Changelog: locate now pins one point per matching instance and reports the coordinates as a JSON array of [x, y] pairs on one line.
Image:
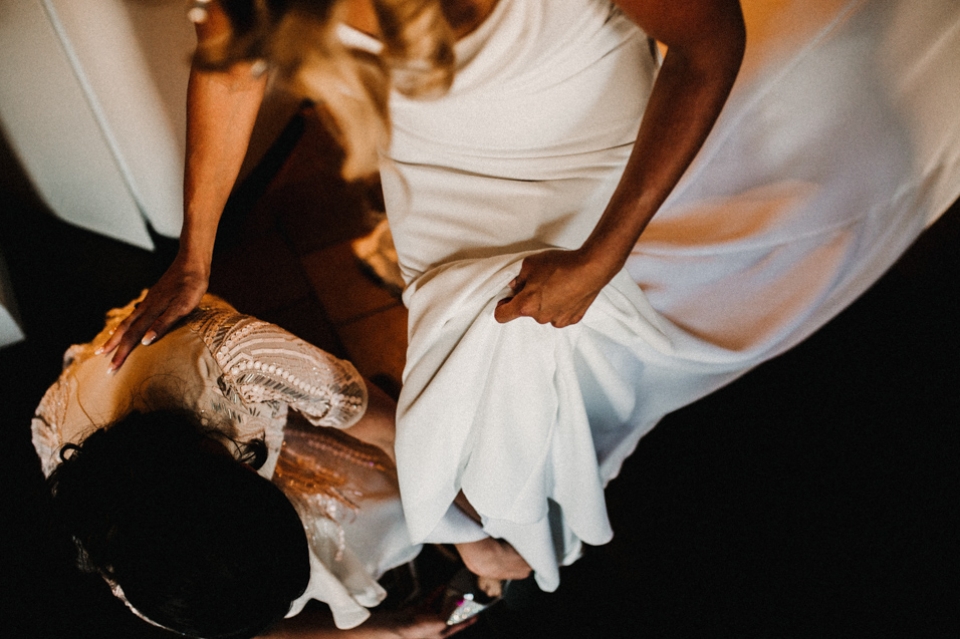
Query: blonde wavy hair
[[299, 39]]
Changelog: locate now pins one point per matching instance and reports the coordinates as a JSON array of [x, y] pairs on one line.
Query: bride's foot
[[493, 559], [490, 587]]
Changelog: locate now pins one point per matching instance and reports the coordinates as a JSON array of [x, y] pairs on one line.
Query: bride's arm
[[221, 109], [705, 40]]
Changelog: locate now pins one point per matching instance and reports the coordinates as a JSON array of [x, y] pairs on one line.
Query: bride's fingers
[[525, 303], [143, 326], [505, 310], [118, 333], [174, 313], [148, 328], [128, 339], [120, 356]]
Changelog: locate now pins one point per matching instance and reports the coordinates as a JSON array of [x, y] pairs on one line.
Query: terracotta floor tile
[[316, 152], [315, 207], [377, 344], [271, 147], [318, 214], [344, 290], [258, 275]]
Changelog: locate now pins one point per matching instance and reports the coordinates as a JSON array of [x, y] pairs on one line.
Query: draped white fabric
[[839, 144]]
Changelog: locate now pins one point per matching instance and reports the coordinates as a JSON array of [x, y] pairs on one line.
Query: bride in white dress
[[526, 194]]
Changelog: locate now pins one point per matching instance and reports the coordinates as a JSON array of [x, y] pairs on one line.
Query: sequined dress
[[242, 376]]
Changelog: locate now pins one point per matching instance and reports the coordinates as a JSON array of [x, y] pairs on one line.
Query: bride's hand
[[493, 559], [555, 287], [177, 293]]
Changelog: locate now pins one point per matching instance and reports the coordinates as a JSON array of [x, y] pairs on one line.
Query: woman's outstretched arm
[[705, 42], [222, 107]]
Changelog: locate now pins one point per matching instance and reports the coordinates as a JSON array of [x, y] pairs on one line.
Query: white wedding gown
[[839, 144], [240, 376]]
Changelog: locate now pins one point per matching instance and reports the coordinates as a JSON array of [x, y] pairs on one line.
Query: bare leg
[[491, 558], [378, 426]]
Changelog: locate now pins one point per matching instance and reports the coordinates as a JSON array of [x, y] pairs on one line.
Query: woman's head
[[299, 39], [198, 542]]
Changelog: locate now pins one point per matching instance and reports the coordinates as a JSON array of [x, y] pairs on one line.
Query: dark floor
[[817, 496]]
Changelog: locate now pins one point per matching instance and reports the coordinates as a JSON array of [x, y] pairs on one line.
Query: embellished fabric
[[329, 488], [239, 376], [264, 364], [347, 495]]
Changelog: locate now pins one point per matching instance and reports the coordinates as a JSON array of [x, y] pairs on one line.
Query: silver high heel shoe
[[464, 598]]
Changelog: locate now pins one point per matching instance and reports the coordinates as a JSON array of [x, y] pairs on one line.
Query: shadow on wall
[[98, 122]]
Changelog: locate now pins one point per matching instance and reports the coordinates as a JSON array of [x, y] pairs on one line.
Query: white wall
[[10, 331], [92, 105], [91, 102]]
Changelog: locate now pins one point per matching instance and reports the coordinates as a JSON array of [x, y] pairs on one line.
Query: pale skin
[[705, 40]]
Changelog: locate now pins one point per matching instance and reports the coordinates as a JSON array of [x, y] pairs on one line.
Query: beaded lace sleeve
[[264, 364]]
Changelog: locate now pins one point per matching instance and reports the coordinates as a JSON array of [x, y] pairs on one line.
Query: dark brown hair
[[199, 543]]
